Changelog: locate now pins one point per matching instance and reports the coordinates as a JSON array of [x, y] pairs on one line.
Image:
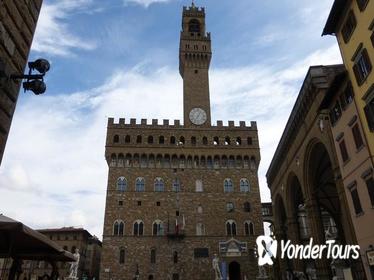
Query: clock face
[[198, 116]]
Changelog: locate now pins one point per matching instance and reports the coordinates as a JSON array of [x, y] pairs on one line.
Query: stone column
[[293, 235], [317, 233]]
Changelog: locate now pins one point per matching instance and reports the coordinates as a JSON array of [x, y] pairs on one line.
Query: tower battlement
[[155, 123], [194, 11]]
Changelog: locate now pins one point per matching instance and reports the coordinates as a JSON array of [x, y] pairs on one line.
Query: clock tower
[[194, 59]]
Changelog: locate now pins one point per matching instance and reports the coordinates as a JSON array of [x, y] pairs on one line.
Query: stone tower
[[179, 194], [194, 60]]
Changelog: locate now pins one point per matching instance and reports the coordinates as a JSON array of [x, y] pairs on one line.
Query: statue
[[74, 266], [262, 272], [216, 267], [311, 273]]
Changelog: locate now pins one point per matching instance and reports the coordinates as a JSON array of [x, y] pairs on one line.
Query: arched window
[[150, 139], [209, 162], [151, 161], [181, 141], [138, 228], [252, 163], [175, 257], [247, 207], [121, 184], [140, 185], [139, 139], [205, 141], [158, 228], [228, 186], [122, 256], [199, 186], [143, 161], [215, 140], [249, 228], [231, 227], [113, 160], [193, 140], [216, 162], [231, 162], [153, 259], [116, 139], [127, 139], [238, 141], [172, 140], [246, 162], [224, 161], [200, 229], [161, 140], [118, 228], [121, 160], [244, 185], [194, 26], [227, 140], [176, 185], [159, 185]]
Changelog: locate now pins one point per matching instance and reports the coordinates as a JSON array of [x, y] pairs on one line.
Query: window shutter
[[365, 55], [369, 113], [357, 74]]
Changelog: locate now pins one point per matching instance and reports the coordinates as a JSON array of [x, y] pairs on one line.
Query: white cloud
[[54, 172], [144, 3], [52, 35]]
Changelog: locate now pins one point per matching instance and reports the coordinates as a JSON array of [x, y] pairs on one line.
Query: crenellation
[[132, 121], [242, 123], [110, 121], [231, 123], [122, 121], [177, 123], [166, 122], [143, 121], [219, 123], [154, 122]]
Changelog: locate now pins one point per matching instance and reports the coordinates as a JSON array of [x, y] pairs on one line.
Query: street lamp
[[34, 82]]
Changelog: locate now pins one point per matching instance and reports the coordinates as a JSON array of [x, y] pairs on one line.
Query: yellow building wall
[[361, 34]]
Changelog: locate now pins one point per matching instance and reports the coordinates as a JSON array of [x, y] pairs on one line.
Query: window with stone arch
[[194, 25], [140, 184], [158, 228], [244, 185], [122, 256], [249, 228], [138, 228], [231, 228], [200, 229], [228, 186], [121, 184], [118, 228], [176, 185], [159, 185], [199, 186]]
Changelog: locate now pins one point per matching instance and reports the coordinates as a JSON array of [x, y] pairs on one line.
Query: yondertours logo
[[267, 249]]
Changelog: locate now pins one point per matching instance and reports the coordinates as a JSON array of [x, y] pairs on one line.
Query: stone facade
[[179, 194], [17, 26]]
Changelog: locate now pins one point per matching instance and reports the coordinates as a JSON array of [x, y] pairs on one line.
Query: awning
[[18, 241]]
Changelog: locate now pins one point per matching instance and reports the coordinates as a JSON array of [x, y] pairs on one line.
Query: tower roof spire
[[193, 3]]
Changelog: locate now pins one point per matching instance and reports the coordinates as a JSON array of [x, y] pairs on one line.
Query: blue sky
[[119, 58]]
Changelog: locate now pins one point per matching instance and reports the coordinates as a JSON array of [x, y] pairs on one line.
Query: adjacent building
[[180, 195], [17, 26], [306, 183], [70, 239], [351, 106]]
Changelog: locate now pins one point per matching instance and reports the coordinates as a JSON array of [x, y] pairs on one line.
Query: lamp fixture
[[34, 82]]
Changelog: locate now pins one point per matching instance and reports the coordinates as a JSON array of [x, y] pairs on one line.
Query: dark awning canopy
[[18, 241]]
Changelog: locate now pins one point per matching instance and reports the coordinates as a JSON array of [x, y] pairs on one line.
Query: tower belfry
[[195, 53]]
